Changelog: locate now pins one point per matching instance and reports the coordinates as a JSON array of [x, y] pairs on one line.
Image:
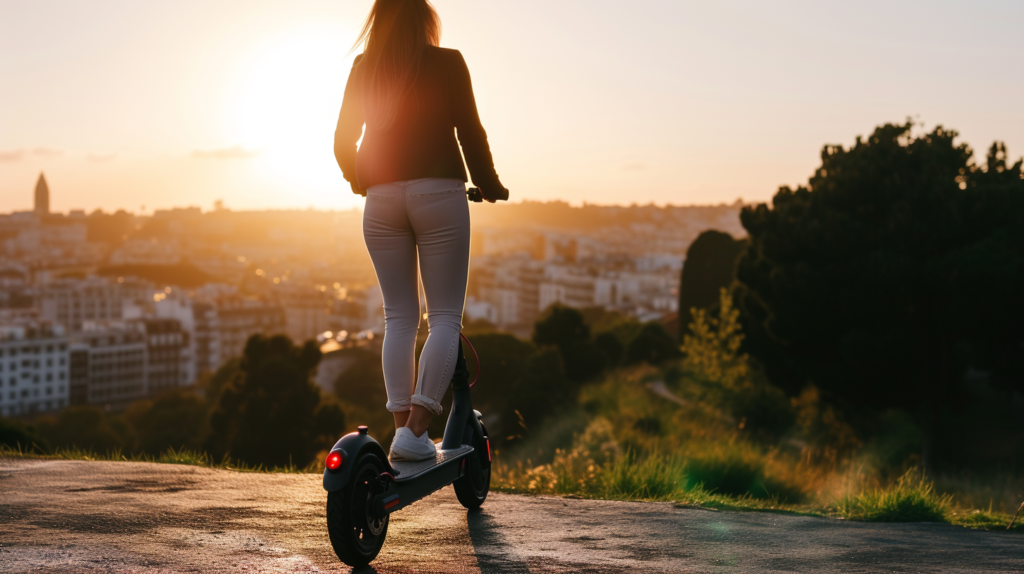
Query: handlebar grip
[[477, 195]]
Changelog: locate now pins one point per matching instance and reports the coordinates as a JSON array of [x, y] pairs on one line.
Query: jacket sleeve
[[350, 129], [468, 128]]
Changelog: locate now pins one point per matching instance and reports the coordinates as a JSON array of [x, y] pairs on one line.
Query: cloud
[[12, 155], [100, 157], [634, 166], [47, 152], [236, 152]]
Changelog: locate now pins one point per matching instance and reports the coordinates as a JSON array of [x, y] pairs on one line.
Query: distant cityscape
[[108, 308]]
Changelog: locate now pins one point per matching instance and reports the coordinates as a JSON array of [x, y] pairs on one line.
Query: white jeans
[[430, 215]]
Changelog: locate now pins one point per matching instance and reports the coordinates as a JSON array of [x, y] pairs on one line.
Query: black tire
[[355, 535], [471, 489]]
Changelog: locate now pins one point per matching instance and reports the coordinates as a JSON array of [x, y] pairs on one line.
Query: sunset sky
[[135, 103]]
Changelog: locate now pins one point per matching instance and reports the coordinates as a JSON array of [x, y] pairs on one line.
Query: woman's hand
[[492, 195], [478, 195]]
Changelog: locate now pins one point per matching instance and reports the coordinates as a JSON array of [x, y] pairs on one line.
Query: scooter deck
[[409, 470]]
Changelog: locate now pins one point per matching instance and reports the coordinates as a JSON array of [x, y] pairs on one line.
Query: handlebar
[[477, 195]]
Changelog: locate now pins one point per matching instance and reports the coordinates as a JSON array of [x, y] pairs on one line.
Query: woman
[[413, 96]]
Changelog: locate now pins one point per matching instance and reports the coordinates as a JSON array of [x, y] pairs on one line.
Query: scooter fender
[[351, 446]]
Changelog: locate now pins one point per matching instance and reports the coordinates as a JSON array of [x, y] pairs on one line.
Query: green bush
[[726, 472], [177, 419], [21, 437], [911, 499], [650, 478], [653, 344], [86, 427]]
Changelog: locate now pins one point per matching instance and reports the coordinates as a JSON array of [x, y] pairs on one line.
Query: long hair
[[394, 36]]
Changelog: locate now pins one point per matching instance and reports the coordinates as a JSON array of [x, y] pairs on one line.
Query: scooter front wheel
[[471, 489], [356, 535]]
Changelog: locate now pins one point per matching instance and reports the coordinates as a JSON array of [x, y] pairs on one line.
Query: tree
[[564, 328], [710, 265], [212, 385], [611, 348], [175, 419], [712, 346], [653, 344], [519, 385], [900, 264], [362, 383], [724, 375], [86, 427], [20, 436], [271, 413]]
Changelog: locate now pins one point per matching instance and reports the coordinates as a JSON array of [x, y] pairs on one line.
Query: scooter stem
[[462, 405]]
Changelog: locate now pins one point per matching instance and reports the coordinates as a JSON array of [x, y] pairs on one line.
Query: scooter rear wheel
[[356, 535], [471, 489]]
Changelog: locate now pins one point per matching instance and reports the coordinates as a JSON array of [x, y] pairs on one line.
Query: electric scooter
[[364, 487]]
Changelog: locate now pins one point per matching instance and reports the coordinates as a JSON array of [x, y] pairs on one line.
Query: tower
[[42, 196]]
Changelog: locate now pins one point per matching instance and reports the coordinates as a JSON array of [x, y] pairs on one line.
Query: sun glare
[[283, 105]]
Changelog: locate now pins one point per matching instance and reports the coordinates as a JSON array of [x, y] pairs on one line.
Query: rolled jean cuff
[[399, 406], [429, 404]]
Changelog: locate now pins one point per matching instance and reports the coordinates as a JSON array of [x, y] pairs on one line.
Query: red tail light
[[333, 461]]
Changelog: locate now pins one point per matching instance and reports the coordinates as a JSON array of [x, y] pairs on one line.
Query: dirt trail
[[69, 516]]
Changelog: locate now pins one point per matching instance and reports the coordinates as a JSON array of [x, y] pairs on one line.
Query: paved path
[[70, 516]]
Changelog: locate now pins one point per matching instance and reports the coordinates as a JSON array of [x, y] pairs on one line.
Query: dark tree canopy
[[271, 413], [565, 328], [710, 265], [898, 266], [653, 344], [21, 436], [611, 348], [519, 383], [561, 326], [87, 428], [176, 419]]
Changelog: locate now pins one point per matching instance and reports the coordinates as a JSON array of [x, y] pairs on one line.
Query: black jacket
[[421, 141]]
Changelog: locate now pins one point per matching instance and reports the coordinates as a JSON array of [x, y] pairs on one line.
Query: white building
[[481, 310], [34, 372], [360, 310], [73, 302]]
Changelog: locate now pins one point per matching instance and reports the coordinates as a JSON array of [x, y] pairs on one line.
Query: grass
[[170, 456], [911, 498], [632, 446]]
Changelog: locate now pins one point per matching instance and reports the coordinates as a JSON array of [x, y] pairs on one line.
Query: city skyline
[[663, 102]]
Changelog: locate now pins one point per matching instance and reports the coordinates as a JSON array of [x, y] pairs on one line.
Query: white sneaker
[[409, 447]]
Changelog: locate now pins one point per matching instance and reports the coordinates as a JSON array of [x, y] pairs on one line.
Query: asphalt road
[[69, 516]]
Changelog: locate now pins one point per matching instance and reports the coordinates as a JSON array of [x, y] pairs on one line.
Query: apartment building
[[168, 355], [73, 302], [306, 309], [33, 369], [513, 291], [241, 317], [360, 310], [109, 364]]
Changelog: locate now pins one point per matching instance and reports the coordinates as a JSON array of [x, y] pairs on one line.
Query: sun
[[283, 104]]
